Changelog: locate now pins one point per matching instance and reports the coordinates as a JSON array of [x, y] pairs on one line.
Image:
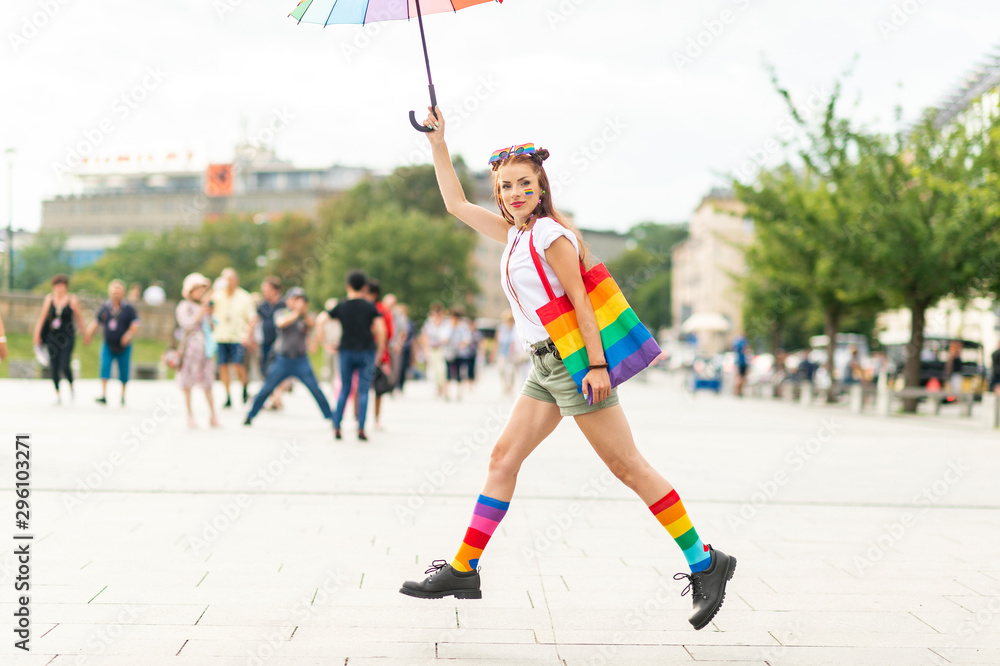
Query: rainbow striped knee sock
[[670, 511], [485, 518]]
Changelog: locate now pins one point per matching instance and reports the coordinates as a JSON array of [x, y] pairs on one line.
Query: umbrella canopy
[[326, 12], [709, 322]]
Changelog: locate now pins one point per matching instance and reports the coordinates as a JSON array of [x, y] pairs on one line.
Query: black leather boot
[[444, 582], [708, 587]]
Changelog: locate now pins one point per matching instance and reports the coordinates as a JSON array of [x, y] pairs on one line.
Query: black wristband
[[597, 366]]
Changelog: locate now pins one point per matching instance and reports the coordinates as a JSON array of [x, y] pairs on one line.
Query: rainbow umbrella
[[328, 12]]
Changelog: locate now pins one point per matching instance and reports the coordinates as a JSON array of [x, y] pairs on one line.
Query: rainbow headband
[[505, 153]]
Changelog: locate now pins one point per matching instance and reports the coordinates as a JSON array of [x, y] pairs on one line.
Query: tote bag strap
[[538, 265]]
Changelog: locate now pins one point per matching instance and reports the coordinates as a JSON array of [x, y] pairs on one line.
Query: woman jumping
[[521, 188]]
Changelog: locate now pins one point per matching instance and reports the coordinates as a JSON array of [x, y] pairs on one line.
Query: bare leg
[[608, 432], [190, 413], [213, 420], [531, 421], [224, 377]]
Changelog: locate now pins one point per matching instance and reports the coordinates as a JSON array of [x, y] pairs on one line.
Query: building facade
[[112, 199], [707, 265]]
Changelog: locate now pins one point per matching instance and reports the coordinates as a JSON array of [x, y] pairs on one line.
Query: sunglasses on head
[[506, 153]]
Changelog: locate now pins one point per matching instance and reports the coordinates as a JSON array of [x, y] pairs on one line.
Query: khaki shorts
[[550, 381]]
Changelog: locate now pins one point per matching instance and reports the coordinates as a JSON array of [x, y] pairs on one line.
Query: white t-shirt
[[524, 276]]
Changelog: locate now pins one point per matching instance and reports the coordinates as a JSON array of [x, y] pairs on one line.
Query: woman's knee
[[627, 469], [504, 459]]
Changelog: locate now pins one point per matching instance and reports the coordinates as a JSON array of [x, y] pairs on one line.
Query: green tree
[[799, 251], [35, 265], [932, 220], [399, 232], [644, 271], [420, 258], [802, 214], [169, 256]]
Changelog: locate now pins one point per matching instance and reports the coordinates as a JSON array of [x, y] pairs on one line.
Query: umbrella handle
[[413, 116]]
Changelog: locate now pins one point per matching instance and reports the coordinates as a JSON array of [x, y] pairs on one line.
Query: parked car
[[933, 359]]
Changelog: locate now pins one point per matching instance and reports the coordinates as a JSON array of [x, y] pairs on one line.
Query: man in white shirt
[[233, 310]]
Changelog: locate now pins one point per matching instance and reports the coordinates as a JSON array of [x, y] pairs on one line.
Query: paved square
[[860, 539]]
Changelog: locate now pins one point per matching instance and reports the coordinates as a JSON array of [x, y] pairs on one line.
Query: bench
[[935, 398]]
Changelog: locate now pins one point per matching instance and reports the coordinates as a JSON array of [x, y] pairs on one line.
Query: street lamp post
[[10, 218]]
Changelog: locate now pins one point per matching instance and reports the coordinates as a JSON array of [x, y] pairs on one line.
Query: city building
[[977, 97], [131, 193], [706, 267], [140, 193]]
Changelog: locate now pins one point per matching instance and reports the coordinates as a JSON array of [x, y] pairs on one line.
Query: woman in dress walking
[[194, 318], [528, 216]]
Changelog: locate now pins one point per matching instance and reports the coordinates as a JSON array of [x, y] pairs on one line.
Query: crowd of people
[[224, 333], [222, 330], [228, 335]]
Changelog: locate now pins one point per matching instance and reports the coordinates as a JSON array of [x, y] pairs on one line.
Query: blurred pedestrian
[[995, 365], [382, 380], [807, 367], [506, 338], [197, 344], [405, 335], [120, 322], [434, 337], [327, 336], [233, 309], [291, 359], [464, 347], [953, 366], [134, 293], [271, 302], [363, 340], [742, 349], [3, 342], [853, 373], [58, 321]]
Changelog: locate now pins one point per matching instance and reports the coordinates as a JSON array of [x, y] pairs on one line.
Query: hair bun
[[542, 153]]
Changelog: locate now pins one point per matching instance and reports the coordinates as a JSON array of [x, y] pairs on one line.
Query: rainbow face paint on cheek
[[528, 192]]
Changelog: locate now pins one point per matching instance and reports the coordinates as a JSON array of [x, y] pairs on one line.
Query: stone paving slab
[[861, 540]]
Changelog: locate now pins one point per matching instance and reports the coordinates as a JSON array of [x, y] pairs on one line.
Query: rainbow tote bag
[[629, 348]]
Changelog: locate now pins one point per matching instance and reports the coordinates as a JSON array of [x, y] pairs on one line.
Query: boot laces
[[436, 566], [694, 585]]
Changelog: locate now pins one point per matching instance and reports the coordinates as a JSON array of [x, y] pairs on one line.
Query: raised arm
[[485, 222]]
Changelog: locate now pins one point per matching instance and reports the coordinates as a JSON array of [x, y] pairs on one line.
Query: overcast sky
[[639, 122]]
